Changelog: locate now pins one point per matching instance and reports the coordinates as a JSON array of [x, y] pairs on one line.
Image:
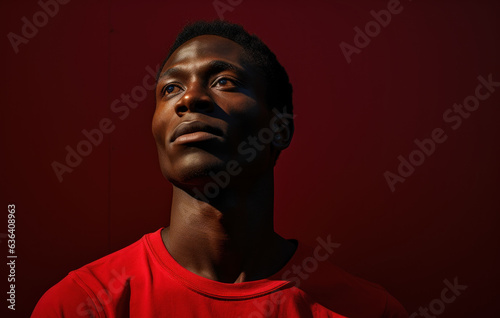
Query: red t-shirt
[[143, 280]]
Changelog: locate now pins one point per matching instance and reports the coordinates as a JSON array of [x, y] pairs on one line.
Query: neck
[[230, 239]]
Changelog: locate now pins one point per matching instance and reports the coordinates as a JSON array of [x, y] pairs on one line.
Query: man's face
[[209, 101]]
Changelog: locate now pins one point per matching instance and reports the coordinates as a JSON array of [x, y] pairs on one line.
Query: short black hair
[[279, 90]]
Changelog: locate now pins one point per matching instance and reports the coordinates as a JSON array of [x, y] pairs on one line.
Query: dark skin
[[209, 85]]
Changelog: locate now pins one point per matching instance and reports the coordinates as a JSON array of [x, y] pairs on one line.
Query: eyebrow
[[213, 67]]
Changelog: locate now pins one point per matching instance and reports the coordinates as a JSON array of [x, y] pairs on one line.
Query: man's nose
[[195, 99]]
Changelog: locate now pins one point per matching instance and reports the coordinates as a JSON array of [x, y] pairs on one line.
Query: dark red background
[[353, 121]]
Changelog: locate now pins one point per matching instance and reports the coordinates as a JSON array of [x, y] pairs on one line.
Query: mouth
[[194, 131]]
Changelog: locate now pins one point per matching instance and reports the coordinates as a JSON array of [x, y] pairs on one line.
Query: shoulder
[[86, 291], [338, 290], [67, 298], [358, 297]]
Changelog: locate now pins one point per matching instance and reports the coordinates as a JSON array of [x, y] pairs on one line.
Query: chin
[[193, 170]]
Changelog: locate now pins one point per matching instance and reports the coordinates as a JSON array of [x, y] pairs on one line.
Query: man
[[223, 115]]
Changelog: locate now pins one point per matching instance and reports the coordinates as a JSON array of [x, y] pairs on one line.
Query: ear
[[282, 136], [281, 140], [282, 127]]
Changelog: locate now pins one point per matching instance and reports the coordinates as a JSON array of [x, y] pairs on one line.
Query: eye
[[225, 82], [169, 89], [222, 81]]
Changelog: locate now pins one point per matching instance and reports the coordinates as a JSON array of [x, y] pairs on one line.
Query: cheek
[[159, 127], [244, 113], [249, 124]]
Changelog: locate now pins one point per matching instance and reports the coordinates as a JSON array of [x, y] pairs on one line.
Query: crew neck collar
[[215, 289]]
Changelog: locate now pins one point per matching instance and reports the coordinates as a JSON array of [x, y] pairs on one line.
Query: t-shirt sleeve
[[394, 309], [65, 299]]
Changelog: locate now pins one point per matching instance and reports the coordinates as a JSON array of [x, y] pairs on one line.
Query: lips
[[204, 131]]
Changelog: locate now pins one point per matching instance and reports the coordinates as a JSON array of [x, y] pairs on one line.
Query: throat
[[231, 262]]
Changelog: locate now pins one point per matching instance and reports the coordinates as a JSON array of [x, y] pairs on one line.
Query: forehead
[[207, 47]]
